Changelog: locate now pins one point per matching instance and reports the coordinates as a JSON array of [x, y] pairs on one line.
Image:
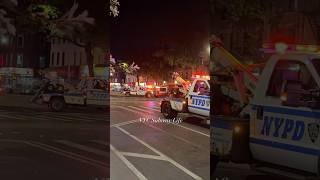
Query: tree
[[114, 8], [6, 26], [252, 18]]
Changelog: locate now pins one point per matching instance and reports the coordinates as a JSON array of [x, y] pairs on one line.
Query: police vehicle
[[192, 98], [278, 125], [90, 92]]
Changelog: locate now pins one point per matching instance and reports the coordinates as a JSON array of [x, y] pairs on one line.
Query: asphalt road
[[142, 147], [41, 145]]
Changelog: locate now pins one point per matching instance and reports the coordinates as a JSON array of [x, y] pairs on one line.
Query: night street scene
[[54, 100], [265, 100], [159, 58]]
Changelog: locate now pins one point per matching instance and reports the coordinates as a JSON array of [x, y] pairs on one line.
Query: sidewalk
[[20, 101]]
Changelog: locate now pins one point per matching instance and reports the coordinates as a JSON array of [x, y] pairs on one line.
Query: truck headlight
[[237, 129]]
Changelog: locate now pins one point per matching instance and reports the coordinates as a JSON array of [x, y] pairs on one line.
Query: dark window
[[201, 86], [74, 58], [20, 41], [289, 71], [63, 56], [58, 59], [52, 59]]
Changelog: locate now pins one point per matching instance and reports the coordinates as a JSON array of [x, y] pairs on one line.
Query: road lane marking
[[199, 132], [149, 108], [146, 156], [193, 130], [177, 137], [61, 152], [125, 123], [11, 117], [100, 142], [140, 109], [128, 163], [84, 148], [185, 170], [121, 107]]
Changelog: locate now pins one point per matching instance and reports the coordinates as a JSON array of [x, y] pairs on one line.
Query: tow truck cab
[[196, 101], [283, 125]]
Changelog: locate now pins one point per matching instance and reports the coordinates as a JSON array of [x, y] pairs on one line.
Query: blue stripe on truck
[[288, 147], [196, 107], [204, 97], [294, 112]]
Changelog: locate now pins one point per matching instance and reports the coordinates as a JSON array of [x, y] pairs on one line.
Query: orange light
[[197, 76], [149, 86]]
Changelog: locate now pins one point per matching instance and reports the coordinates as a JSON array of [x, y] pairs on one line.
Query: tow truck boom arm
[[243, 78]]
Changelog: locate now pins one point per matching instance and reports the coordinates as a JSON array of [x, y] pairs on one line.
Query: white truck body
[[195, 102], [281, 134]]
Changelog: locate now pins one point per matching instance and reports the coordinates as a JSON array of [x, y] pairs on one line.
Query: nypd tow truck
[[86, 94], [277, 126], [192, 99]]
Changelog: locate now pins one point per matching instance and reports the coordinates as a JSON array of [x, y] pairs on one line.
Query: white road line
[[208, 135], [140, 109], [61, 152], [100, 142], [146, 156], [149, 108], [125, 123], [199, 132], [128, 164], [11, 117], [127, 109], [82, 147], [163, 155], [177, 137]]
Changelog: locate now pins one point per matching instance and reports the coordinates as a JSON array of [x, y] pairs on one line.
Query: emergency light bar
[[281, 47]]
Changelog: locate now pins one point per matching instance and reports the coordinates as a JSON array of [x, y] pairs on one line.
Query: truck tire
[[167, 111], [57, 104], [214, 160]]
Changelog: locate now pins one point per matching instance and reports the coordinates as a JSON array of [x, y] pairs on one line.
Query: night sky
[[144, 26]]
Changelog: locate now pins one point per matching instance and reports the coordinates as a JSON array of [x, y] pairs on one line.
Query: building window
[[53, 41], [63, 56], [7, 60], [58, 59], [52, 59], [74, 58], [11, 60], [20, 60], [42, 62], [20, 41]]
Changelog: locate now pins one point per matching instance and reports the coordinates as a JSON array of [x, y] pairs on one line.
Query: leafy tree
[[6, 26]]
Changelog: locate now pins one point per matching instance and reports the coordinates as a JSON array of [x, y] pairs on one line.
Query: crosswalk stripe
[[82, 147]]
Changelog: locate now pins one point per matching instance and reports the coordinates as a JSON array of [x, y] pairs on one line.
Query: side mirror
[[291, 93]]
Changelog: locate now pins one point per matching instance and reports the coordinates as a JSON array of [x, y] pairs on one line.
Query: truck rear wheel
[[167, 111], [57, 104], [213, 164]]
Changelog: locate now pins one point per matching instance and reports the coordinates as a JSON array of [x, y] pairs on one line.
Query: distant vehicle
[[142, 91], [89, 92]]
